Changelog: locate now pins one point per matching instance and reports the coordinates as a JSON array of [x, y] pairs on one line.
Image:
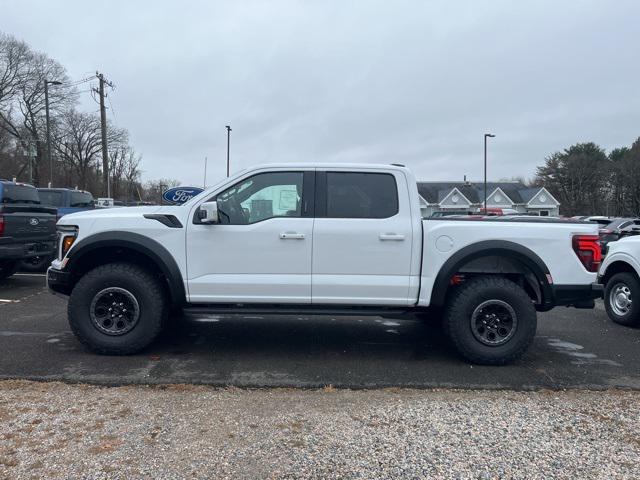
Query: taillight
[[1, 225], [587, 248]]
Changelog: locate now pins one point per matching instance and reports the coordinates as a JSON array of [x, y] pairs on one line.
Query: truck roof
[[391, 166], [60, 189]]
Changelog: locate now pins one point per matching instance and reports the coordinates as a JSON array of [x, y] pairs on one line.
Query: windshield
[[12, 193], [50, 197]]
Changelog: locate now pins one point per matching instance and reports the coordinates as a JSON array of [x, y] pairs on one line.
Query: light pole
[[46, 107], [228, 140], [486, 135]]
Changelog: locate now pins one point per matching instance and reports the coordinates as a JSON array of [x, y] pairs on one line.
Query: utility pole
[[228, 140], [106, 188], [486, 135], [46, 104]]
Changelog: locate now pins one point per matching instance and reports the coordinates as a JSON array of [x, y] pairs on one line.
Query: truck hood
[[116, 212], [113, 213]]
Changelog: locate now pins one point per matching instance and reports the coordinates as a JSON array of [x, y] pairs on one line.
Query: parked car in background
[[614, 230], [599, 219], [620, 274], [630, 230], [66, 200], [27, 228], [496, 212], [104, 202], [450, 213]]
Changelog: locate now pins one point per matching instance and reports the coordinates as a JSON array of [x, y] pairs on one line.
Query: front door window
[[260, 197]]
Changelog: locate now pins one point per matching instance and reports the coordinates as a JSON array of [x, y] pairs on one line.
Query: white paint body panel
[[250, 263], [550, 241], [366, 261], [626, 250], [340, 261]]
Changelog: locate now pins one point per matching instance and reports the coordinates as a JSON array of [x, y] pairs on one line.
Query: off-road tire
[[632, 317], [459, 309], [147, 291], [8, 268]]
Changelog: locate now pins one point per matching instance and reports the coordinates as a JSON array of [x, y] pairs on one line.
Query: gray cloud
[[411, 82]]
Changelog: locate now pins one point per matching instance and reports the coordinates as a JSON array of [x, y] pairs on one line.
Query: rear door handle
[[391, 236], [291, 236]]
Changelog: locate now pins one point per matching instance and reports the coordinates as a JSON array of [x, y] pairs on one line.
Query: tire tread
[[140, 276], [456, 304]]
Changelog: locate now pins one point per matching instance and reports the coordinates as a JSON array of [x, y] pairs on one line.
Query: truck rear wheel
[[490, 320], [36, 264], [117, 309], [619, 294]]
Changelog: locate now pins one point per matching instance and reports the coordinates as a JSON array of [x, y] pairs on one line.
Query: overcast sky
[[410, 82]]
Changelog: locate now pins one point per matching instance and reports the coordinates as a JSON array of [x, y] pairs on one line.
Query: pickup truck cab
[[66, 200], [335, 238], [27, 229]]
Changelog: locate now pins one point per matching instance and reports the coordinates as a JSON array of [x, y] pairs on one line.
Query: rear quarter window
[[81, 200]]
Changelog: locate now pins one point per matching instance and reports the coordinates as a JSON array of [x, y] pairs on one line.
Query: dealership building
[[469, 196]]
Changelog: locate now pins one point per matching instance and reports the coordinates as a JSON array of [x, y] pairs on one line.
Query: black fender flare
[[138, 243], [504, 248]]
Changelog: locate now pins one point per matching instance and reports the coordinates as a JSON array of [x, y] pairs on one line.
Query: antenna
[[204, 183]]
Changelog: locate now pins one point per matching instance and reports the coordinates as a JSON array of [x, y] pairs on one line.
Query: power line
[[111, 108], [75, 83]]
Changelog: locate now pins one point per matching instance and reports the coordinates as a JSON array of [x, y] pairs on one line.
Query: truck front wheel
[[618, 299], [490, 320], [117, 309]]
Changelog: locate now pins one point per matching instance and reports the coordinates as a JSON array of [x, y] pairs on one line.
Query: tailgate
[[28, 223]]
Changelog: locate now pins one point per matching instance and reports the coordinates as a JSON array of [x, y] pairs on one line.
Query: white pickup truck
[[327, 239]]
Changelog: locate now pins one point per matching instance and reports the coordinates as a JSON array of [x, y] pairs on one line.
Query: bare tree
[[22, 107], [153, 189], [124, 168], [14, 56]]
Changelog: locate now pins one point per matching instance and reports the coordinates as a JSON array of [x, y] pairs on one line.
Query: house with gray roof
[[469, 196]]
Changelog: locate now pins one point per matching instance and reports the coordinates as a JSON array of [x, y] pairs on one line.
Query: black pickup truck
[[27, 229]]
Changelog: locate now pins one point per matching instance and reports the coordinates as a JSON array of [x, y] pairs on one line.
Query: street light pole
[[228, 140], [46, 104], [486, 135]]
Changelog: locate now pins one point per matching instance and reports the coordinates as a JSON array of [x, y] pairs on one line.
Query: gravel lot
[[54, 430]]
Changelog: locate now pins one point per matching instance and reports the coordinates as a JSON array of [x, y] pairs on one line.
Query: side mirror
[[208, 212]]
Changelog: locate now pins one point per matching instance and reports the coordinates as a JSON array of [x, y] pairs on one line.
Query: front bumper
[[58, 281], [579, 296]]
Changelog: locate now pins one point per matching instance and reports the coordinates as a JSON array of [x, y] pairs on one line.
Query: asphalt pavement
[[573, 349]]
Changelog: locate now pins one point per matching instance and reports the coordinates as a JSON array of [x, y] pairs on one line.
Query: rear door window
[[361, 195]]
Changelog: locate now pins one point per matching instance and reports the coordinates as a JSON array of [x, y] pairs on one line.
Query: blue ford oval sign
[[180, 195]]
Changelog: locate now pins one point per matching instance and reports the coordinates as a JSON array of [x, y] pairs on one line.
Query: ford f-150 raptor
[[339, 239]]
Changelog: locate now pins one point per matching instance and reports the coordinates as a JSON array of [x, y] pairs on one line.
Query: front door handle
[[391, 236], [291, 236]]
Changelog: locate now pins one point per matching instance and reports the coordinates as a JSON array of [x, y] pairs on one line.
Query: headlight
[[67, 235]]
